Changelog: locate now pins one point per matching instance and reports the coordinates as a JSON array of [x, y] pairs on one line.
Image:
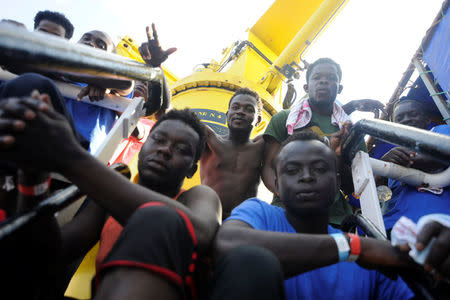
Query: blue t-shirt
[[92, 122], [408, 201], [339, 281]]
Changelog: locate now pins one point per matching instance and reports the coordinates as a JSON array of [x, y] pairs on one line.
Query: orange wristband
[[355, 247], [35, 190]]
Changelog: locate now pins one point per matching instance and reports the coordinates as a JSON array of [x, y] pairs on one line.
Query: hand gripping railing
[[364, 168], [419, 140]]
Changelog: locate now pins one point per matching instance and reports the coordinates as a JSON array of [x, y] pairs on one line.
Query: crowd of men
[[159, 241]]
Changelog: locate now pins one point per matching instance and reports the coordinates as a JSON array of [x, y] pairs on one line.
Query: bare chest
[[238, 159]]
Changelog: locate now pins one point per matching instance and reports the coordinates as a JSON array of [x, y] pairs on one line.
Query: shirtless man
[[231, 164]]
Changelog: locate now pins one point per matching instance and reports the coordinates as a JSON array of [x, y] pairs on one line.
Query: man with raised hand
[[231, 164]]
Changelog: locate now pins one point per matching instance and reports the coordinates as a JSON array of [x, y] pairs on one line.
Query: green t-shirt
[[319, 124], [323, 127]]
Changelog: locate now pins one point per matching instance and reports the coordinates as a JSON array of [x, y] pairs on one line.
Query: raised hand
[[151, 51], [336, 139]]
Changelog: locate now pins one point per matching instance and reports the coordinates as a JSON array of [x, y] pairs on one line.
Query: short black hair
[[405, 99], [57, 18], [323, 60], [190, 118], [304, 135], [247, 91]]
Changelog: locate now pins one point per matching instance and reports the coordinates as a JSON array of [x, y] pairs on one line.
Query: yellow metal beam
[[303, 39], [280, 23]]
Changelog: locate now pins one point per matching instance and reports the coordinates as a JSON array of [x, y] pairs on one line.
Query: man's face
[[323, 84], [51, 28], [410, 114], [242, 112], [97, 39], [168, 155], [306, 177]]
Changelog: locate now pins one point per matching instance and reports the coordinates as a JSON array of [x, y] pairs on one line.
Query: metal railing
[[24, 51], [364, 168], [54, 54], [419, 140]]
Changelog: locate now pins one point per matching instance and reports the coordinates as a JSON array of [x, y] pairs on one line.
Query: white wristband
[[342, 245]]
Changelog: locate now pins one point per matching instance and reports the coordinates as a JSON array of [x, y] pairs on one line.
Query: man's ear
[[192, 171], [305, 87], [276, 184], [341, 87], [258, 120]]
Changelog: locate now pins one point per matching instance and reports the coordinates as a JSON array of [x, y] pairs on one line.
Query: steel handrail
[[422, 141]]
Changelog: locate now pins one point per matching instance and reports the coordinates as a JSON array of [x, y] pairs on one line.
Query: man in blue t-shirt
[[315, 263], [94, 122], [411, 201]]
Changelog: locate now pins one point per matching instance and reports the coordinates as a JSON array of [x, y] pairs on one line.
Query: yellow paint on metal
[[80, 284], [310, 30], [281, 22]]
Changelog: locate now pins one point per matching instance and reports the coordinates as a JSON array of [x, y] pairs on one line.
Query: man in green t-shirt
[[319, 113]]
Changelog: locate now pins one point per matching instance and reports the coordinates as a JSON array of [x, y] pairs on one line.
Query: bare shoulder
[[213, 139], [199, 193], [201, 189], [204, 201], [210, 133], [258, 141]]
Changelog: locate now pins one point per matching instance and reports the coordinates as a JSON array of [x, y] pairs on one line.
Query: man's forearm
[[298, 253], [33, 188], [268, 177], [271, 149]]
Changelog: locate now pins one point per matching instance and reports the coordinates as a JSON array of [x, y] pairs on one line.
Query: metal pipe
[[419, 140], [48, 206], [410, 176], [51, 53], [350, 222]]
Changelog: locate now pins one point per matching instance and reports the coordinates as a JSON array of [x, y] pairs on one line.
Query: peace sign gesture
[[151, 51]]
